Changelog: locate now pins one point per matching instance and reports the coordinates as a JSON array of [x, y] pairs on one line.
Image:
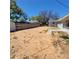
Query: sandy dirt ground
[[35, 43]]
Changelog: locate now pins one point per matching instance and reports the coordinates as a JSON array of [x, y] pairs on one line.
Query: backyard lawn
[[36, 43]]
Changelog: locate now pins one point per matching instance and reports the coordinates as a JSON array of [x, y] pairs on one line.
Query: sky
[[33, 7]]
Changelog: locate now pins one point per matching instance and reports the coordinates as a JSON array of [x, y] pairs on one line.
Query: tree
[[46, 15], [37, 18], [16, 13], [53, 15]]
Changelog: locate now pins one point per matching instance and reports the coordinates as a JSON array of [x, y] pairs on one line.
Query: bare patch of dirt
[[36, 44]]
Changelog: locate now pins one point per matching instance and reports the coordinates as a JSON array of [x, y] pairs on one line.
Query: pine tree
[[16, 14]]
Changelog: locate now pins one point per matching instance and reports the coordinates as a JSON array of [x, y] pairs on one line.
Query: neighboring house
[[64, 22], [12, 26], [52, 22], [61, 23]]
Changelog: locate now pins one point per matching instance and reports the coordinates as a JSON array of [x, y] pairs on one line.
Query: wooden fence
[[21, 26]]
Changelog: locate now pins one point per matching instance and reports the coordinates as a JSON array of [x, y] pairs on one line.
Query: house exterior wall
[[12, 26], [66, 24], [51, 22], [60, 25]]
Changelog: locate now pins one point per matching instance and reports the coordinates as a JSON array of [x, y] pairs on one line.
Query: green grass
[[62, 35], [66, 38]]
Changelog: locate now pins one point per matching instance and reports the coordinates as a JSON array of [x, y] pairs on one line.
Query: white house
[[61, 23]]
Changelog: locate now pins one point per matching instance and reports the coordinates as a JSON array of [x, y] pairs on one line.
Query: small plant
[[40, 32], [12, 46], [45, 30], [15, 37]]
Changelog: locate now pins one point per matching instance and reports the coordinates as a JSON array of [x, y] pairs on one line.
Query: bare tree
[[46, 15]]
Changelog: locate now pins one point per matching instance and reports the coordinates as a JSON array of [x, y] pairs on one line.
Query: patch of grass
[[45, 30], [64, 37]]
